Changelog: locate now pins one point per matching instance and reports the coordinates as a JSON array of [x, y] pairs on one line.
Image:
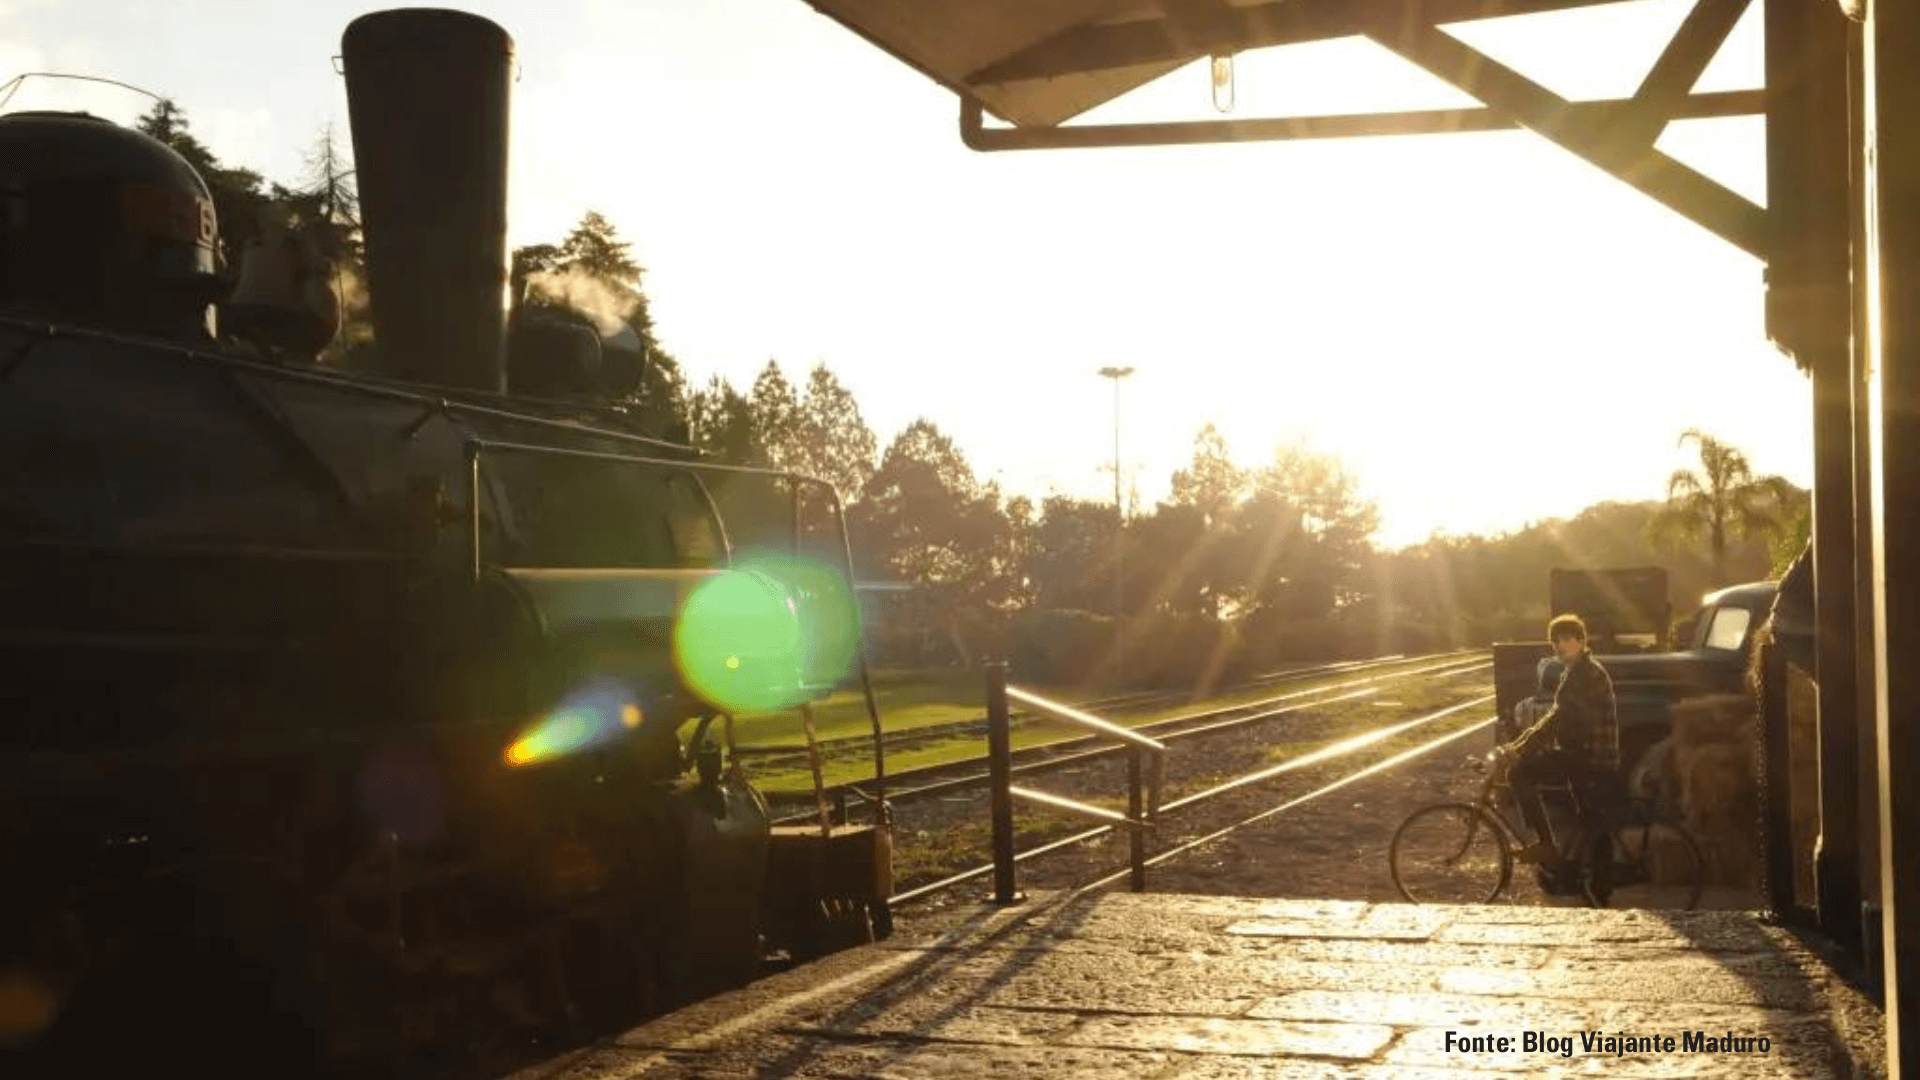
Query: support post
[[1000, 781], [1811, 315], [1860, 418], [1778, 809], [1837, 854], [1892, 93], [1810, 311]]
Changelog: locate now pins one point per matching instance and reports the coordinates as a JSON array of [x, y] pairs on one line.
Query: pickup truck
[[1712, 656]]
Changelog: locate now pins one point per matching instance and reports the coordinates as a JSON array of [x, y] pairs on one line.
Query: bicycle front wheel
[[1650, 863], [1450, 853]]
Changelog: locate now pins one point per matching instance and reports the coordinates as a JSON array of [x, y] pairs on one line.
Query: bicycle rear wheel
[[1450, 853], [1650, 863]]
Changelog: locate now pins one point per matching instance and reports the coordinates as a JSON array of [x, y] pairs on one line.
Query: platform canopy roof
[[1038, 63]]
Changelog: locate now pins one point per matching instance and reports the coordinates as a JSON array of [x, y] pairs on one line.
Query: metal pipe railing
[[1145, 767], [1086, 720]]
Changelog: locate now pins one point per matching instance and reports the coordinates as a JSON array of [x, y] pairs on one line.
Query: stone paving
[[1197, 988]]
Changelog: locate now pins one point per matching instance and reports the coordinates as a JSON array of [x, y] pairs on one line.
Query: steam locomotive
[[342, 714]]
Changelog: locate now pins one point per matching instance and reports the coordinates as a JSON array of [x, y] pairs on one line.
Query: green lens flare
[[829, 621], [737, 643], [767, 636]]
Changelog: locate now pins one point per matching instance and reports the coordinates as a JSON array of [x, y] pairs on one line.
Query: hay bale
[[1705, 774]]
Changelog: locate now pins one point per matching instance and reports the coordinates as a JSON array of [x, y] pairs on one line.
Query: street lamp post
[[1119, 518]]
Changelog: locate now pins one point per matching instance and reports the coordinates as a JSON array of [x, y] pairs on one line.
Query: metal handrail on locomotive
[[371, 684]]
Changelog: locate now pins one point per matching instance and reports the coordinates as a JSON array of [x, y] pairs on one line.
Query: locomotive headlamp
[[766, 637], [737, 642]]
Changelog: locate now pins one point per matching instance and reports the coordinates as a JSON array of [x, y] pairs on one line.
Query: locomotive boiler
[[344, 716]]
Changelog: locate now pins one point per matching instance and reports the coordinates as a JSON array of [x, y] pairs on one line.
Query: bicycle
[[1635, 855]]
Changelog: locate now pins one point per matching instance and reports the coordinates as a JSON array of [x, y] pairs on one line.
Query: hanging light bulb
[[1223, 83]]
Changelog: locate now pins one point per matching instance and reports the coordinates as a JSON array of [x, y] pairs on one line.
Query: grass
[[910, 700], [907, 700], [858, 765]]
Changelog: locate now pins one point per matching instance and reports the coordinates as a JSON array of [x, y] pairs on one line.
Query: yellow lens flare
[[589, 716], [27, 1005]]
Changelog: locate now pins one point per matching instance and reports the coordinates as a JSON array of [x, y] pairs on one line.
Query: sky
[[1486, 330]]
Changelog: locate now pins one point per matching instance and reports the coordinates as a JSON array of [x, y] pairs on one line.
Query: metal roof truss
[[1616, 135]]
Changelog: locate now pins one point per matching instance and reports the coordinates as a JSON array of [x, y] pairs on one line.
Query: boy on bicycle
[[1578, 740]]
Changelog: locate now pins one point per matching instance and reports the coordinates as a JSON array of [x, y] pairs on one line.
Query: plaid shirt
[[1583, 718]]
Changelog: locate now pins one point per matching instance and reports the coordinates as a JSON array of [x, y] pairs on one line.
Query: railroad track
[[1377, 767], [1337, 750], [765, 754], [946, 777]]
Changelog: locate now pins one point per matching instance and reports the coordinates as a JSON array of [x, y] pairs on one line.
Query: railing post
[[1000, 777], [1136, 838], [473, 509], [813, 762]]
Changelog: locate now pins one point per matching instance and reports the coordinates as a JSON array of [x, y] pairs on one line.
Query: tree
[[1211, 483], [327, 207], [1795, 536], [1015, 554], [834, 442], [720, 423], [1175, 562], [167, 122], [533, 261], [777, 418], [1185, 541], [1719, 501], [1070, 561], [928, 520], [593, 272], [1304, 535], [922, 458], [328, 182], [1468, 590], [595, 247]]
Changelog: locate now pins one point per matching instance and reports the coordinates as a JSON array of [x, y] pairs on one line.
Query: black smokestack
[[427, 94]]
